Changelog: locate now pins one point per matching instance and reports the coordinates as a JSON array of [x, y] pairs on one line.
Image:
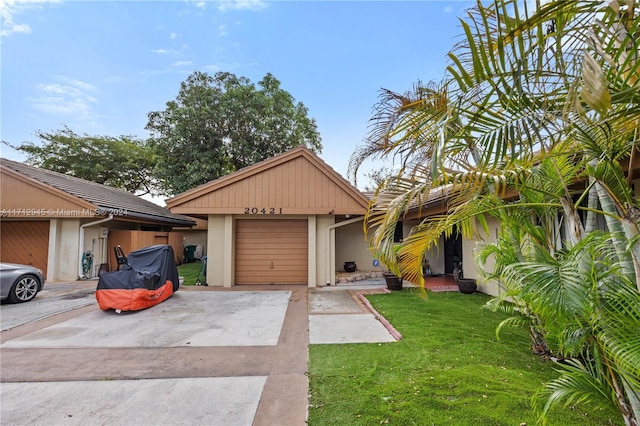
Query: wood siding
[[292, 184], [25, 198], [135, 240], [271, 251], [25, 242]]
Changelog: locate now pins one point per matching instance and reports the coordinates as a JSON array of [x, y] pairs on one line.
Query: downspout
[[331, 246], [81, 244]]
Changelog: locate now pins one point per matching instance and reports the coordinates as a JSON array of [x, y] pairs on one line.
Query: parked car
[[19, 283]]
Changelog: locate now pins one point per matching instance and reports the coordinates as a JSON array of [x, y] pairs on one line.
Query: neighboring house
[[68, 226]]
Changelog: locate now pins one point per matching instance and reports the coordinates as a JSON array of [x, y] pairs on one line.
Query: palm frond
[[579, 383]]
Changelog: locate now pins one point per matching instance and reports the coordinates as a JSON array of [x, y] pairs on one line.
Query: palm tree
[[538, 124], [516, 89]]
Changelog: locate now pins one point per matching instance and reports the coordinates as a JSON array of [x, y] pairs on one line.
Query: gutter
[[81, 244], [173, 221], [331, 247]]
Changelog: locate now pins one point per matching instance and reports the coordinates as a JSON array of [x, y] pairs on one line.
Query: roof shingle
[[105, 197]]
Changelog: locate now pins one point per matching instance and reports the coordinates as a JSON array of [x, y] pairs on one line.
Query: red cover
[[134, 299], [150, 277]]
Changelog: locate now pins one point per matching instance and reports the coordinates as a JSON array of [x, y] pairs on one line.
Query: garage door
[[271, 251], [25, 242]]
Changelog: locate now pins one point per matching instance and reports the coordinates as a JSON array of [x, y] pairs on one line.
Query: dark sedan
[[19, 283]]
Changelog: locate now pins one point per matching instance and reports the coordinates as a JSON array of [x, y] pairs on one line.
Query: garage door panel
[[267, 258], [253, 269], [271, 251], [25, 242], [268, 239], [283, 247]]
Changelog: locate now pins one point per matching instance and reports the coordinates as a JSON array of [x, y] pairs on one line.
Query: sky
[[99, 67]]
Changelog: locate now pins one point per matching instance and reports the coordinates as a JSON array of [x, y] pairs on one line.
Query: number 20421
[[263, 210]]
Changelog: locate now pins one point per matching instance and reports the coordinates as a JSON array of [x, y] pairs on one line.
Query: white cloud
[[9, 9], [181, 63], [254, 5], [70, 97], [174, 36], [222, 31], [448, 9], [9, 28], [221, 67], [173, 52], [82, 85]]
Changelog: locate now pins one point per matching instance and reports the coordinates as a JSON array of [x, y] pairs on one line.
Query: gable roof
[[294, 182], [87, 194]]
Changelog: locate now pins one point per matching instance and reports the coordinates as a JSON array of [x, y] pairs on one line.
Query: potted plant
[[465, 285], [426, 269], [350, 266], [393, 280]]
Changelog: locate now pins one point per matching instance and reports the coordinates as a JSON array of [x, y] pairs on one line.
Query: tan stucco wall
[[312, 251], [469, 248], [352, 247], [435, 256], [220, 257], [323, 222], [63, 261], [96, 242], [217, 246]]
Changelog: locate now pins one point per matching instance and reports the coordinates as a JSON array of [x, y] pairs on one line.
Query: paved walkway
[[205, 356]]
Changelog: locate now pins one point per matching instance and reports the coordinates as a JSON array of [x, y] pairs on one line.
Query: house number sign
[[263, 210]]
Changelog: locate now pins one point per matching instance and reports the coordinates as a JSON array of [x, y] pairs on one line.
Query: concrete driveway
[[205, 356], [55, 298]]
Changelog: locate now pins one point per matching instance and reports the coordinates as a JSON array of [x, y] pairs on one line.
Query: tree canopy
[[123, 162], [222, 123]]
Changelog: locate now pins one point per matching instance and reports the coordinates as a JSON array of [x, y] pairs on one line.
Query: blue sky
[[99, 67]]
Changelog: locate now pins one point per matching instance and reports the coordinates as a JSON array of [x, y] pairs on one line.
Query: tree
[[123, 162], [222, 123], [539, 102]]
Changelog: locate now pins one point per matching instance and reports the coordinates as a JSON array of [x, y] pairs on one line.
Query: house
[[68, 226], [290, 219]]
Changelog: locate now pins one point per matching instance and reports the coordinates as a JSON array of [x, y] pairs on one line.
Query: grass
[[449, 369], [190, 272]]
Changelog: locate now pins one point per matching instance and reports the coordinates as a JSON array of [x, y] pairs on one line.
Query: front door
[[452, 251]]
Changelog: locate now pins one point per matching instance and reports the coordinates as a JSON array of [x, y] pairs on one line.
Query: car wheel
[[24, 289]]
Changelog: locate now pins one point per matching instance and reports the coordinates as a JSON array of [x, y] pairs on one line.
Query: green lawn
[[448, 369], [190, 272]]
